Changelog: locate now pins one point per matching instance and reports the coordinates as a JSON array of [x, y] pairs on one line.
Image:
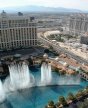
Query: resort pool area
[[38, 97]]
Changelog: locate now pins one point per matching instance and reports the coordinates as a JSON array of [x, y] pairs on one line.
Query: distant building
[[20, 14], [84, 39], [17, 31], [78, 24]]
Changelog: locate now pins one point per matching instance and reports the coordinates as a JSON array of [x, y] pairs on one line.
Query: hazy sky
[[77, 4]]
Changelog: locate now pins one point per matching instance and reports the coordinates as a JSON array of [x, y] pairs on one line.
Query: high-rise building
[[84, 39], [78, 24], [17, 31]]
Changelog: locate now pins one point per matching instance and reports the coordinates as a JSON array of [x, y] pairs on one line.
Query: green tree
[[62, 101], [56, 70], [79, 94], [46, 51], [51, 104], [30, 61], [71, 97]]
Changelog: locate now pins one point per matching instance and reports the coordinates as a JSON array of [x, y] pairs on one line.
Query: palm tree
[[62, 101], [51, 104], [30, 60], [79, 94], [46, 51], [56, 70], [71, 97]]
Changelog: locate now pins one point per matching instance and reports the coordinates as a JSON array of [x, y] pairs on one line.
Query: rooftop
[[19, 15]]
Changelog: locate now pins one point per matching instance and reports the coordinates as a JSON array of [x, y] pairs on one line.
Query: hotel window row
[[18, 31], [78, 25]]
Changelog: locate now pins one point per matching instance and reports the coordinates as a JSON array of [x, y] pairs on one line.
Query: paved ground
[[59, 49]]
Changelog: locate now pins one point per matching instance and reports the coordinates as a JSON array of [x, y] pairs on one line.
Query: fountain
[[69, 80], [46, 76], [2, 93], [20, 76]]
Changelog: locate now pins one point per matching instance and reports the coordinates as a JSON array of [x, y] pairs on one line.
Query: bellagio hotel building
[[17, 31]]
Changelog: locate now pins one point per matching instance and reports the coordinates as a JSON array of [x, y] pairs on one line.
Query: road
[[59, 49]]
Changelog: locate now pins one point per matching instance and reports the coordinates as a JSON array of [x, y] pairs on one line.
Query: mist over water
[[21, 78], [2, 93], [46, 75]]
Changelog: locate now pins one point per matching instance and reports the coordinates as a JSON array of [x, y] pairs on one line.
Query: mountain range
[[39, 9]]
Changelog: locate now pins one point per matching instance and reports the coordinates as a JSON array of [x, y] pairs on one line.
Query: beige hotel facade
[[78, 24], [17, 31]]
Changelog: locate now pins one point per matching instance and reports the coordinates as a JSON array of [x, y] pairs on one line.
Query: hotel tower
[[17, 31]]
